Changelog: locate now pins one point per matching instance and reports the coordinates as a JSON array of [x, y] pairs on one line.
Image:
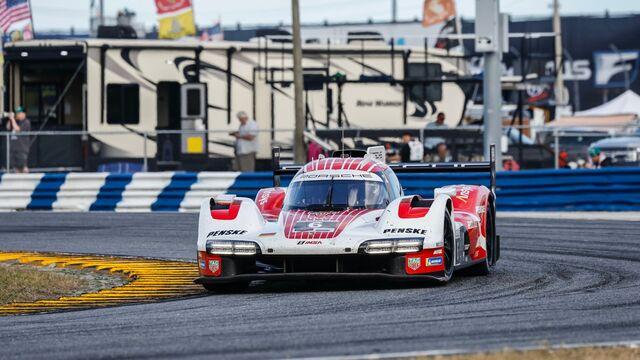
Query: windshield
[[336, 195]]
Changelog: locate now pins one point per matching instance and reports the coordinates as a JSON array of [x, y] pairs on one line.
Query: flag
[[14, 12], [213, 33], [447, 43], [175, 19], [437, 11]]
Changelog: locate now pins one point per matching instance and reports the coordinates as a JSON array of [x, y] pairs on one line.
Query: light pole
[[298, 83]]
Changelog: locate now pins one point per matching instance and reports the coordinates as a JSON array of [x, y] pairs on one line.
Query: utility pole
[[394, 11], [488, 41], [559, 85], [101, 13], [298, 83]]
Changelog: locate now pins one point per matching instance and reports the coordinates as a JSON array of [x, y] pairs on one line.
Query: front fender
[[245, 224]]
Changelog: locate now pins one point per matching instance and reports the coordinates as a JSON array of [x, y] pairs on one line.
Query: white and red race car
[[348, 217]]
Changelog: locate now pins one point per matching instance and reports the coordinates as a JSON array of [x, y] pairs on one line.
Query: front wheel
[[228, 288]]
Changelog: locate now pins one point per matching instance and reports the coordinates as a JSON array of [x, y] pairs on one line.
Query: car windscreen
[[335, 195]]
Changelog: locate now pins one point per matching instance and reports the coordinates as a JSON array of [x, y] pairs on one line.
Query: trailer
[[175, 102]]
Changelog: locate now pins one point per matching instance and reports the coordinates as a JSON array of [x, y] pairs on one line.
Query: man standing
[[246, 143], [20, 144]]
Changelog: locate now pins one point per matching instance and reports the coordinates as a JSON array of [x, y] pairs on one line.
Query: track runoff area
[[559, 281]]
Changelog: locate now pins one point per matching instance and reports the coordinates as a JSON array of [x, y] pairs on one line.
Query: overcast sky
[[63, 14]]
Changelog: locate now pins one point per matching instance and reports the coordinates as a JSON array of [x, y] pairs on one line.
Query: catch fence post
[[556, 149], [145, 165], [8, 148]]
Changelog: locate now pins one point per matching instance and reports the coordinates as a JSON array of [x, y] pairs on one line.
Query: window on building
[[123, 104]]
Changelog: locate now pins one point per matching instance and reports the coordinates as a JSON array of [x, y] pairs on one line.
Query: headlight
[[228, 247], [392, 246]]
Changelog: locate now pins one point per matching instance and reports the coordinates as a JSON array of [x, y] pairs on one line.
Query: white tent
[[627, 103]]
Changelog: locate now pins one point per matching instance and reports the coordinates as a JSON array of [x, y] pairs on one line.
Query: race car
[[347, 217]]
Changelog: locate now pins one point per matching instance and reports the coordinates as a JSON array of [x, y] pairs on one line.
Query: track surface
[[559, 281]]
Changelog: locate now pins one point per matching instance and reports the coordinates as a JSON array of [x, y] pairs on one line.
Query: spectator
[[442, 153], [510, 164], [563, 160], [597, 159], [20, 145], [392, 153], [405, 149], [246, 143], [439, 122]]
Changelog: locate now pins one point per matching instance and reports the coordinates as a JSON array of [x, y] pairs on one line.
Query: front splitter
[[320, 276]]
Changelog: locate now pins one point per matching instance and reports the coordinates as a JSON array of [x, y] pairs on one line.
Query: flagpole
[[33, 28]]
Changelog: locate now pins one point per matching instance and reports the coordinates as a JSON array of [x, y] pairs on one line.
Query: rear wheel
[[227, 288], [448, 246], [484, 267]]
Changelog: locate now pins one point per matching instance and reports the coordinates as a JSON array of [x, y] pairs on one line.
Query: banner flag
[[175, 19], [15, 20], [438, 11]]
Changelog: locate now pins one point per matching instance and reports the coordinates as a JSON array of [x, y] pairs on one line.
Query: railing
[[140, 142]]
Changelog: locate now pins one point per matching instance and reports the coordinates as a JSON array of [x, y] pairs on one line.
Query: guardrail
[[610, 189]]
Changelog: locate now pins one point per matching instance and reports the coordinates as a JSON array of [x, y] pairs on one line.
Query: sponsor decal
[[615, 68], [405, 231], [463, 193], [214, 265], [309, 242], [264, 197], [203, 264], [434, 261], [322, 226], [226, 232], [413, 263], [331, 176], [378, 103]]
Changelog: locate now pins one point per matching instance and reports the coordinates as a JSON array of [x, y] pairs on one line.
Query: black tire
[[226, 288], [449, 239], [484, 268]]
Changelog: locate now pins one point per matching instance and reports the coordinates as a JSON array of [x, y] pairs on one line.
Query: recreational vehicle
[[175, 102]]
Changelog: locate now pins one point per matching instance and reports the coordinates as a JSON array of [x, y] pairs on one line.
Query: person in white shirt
[[246, 143]]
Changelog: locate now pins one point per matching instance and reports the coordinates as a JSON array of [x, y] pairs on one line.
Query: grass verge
[[579, 353], [25, 283]]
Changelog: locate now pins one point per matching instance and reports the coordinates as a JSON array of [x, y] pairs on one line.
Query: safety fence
[[611, 189]]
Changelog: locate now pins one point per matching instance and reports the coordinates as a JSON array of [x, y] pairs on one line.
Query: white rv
[[137, 86]]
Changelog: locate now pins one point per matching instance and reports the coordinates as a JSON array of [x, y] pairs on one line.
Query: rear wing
[[454, 167]]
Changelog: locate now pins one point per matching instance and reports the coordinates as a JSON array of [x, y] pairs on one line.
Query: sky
[[64, 14]]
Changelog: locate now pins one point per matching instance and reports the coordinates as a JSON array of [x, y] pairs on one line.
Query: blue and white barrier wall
[[613, 189]]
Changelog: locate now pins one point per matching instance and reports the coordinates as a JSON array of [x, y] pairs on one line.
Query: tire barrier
[[150, 280], [610, 189]]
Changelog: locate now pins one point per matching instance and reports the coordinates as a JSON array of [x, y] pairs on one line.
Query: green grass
[[582, 353], [24, 283]]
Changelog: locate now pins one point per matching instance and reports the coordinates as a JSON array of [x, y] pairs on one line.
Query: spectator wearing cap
[[597, 159], [246, 145], [20, 144]]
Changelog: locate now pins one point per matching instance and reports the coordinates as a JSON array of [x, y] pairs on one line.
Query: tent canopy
[[626, 103]]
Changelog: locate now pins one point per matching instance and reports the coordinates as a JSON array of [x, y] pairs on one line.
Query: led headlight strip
[[389, 246], [231, 247]]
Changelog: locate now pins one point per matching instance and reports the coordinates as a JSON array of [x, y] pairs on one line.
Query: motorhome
[[123, 92]]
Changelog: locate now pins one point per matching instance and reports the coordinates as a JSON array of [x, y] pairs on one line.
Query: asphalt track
[[559, 281]]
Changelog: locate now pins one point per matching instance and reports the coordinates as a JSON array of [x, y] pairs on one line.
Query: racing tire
[[484, 268], [449, 239], [228, 288]]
